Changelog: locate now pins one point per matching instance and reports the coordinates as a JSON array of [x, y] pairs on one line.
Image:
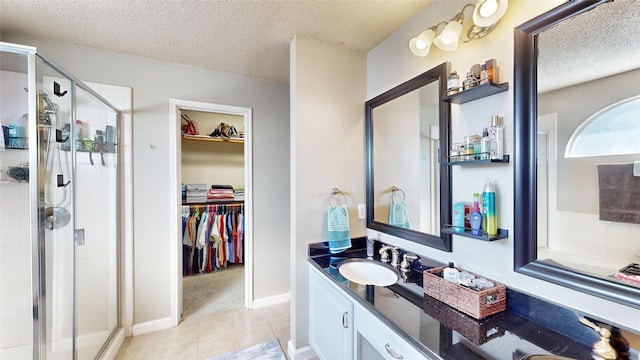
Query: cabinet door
[[330, 319], [377, 341]]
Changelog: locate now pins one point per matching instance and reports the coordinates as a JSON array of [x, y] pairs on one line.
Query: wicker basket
[[477, 304]]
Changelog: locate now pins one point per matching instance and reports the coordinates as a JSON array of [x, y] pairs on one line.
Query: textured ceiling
[[250, 38], [595, 44]]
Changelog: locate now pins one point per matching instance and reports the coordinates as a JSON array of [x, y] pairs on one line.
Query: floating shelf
[[476, 92], [212, 139], [502, 233], [504, 160]]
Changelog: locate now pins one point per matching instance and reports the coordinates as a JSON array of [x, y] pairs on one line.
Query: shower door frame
[[37, 215]]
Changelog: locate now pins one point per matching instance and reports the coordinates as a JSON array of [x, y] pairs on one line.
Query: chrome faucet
[[405, 266], [384, 255]]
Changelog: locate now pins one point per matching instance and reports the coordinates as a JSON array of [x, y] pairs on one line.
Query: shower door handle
[[79, 235]]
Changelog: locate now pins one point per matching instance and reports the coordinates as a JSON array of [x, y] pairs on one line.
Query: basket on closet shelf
[[477, 304]]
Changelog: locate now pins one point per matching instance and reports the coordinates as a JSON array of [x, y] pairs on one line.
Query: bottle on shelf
[[476, 216], [490, 218], [468, 81], [450, 273], [496, 133], [484, 76], [469, 147], [492, 71], [485, 145], [453, 83]]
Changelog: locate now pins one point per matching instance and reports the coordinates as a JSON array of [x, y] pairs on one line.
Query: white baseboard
[[304, 353], [272, 300], [151, 326]]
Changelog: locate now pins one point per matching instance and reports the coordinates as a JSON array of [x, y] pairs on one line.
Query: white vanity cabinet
[[342, 328], [330, 319]]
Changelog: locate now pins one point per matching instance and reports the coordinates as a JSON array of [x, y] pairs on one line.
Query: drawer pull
[[345, 320], [391, 352]]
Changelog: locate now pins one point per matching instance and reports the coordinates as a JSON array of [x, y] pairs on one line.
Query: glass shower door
[[78, 207], [96, 189], [56, 250]]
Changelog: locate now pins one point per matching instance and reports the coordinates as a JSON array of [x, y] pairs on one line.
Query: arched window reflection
[[614, 130]]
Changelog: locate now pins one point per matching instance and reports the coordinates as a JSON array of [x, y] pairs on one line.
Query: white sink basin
[[368, 272]]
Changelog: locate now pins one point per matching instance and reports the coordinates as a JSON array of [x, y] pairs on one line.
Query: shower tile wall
[[15, 247]]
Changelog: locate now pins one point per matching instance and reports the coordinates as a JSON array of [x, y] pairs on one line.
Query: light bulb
[[489, 12], [421, 44], [488, 8], [448, 38]]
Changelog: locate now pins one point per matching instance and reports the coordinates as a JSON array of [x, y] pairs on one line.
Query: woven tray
[[477, 304]]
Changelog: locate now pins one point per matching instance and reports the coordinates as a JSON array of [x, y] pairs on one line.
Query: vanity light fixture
[[486, 15]]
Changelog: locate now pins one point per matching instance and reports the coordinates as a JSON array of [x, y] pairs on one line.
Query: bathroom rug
[[269, 350]]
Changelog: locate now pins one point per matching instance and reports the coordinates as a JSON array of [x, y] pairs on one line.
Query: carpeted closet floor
[[205, 294]]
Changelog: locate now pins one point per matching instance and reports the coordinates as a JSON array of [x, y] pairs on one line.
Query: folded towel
[[619, 193], [338, 228], [398, 215]]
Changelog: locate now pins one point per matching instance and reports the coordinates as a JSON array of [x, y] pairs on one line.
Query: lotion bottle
[[451, 273], [475, 218]]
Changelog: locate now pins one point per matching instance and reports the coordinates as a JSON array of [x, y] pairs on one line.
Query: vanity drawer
[[386, 343]]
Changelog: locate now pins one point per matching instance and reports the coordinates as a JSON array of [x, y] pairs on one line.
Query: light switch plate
[[361, 211]]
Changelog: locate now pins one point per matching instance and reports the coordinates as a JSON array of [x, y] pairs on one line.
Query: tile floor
[[212, 335]]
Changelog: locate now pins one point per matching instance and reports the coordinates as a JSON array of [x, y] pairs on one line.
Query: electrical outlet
[[361, 211]]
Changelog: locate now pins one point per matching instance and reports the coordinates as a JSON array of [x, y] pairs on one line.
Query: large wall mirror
[[408, 192], [577, 137]]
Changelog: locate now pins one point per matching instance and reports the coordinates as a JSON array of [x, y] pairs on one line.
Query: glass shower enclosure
[[59, 212]]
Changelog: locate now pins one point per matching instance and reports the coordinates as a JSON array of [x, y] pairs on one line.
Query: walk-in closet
[[213, 212]]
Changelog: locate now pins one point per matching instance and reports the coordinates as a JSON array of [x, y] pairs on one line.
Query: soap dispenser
[[450, 273]]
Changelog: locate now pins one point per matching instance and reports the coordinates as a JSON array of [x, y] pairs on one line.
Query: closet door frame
[[176, 105]]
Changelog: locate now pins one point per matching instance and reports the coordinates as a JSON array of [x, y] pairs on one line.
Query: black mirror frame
[[525, 165], [442, 242]]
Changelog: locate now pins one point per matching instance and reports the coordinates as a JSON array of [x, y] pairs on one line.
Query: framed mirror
[[408, 191], [577, 104]]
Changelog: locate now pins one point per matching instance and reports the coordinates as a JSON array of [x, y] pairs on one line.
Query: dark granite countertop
[[528, 326]]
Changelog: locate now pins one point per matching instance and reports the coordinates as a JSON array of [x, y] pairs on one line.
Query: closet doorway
[[211, 184]]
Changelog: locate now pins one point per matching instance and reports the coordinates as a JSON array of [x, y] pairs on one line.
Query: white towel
[[338, 228]]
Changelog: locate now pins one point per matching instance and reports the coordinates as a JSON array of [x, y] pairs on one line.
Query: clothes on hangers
[[212, 237]]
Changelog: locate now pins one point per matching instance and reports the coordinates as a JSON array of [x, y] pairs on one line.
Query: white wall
[[327, 150], [154, 83], [391, 63]]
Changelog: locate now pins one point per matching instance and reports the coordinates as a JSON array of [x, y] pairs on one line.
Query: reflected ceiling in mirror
[[408, 192]]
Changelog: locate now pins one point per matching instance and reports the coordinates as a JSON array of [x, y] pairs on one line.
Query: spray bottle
[[489, 209]]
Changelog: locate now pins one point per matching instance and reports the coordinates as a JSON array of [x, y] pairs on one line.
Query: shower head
[[49, 106]]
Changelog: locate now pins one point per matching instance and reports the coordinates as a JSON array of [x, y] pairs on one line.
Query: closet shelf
[[215, 202], [212, 139]]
